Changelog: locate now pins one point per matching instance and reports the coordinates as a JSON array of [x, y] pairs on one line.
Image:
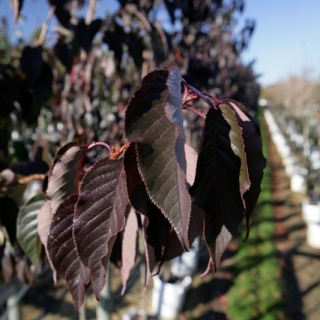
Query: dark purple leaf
[[150, 256], [255, 159], [216, 186], [85, 33], [116, 254], [99, 215], [44, 221], [173, 246], [31, 63], [65, 9], [191, 159], [159, 43], [65, 51], [65, 172], [43, 86], [63, 254], [154, 121], [157, 227], [237, 145], [114, 37], [136, 46], [129, 247]]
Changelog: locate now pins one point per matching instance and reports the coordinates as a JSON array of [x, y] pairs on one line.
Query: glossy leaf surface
[[63, 254], [65, 172], [99, 215], [153, 121], [216, 186]]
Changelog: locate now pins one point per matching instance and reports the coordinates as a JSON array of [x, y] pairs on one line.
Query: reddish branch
[[100, 143], [191, 94], [116, 153]]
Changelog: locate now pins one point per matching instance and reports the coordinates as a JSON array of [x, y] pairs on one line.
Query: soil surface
[[300, 263], [206, 299]]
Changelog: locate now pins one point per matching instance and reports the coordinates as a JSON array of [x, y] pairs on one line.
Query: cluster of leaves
[[154, 181]]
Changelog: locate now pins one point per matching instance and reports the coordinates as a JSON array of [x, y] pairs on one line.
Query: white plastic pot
[[168, 298], [134, 314], [187, 263], [313, 235], [311, 213], [298, 183]]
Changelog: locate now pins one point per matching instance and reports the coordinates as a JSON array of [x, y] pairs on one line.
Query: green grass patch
[[256, 292]]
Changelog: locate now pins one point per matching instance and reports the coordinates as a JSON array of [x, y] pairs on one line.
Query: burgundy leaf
[[116, 253], [237, 145], [65, 172], [153, 121], [157, 227], [129, 246], [63, 254], [216, 186], [191, 158], [44, 220], [150, 257], [173, 247], [99, 215], [255, 159]]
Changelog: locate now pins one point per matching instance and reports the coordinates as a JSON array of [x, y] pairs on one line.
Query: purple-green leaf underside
[[237, 145], [254, 155], [99, 215], [159, 149], [63, 254], [27, 226], [64, 174], [216, 188]]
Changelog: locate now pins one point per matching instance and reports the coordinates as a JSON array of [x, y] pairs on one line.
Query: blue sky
[[286, 39]]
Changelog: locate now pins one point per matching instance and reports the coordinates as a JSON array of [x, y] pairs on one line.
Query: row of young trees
[[88, 93], [297, 98]]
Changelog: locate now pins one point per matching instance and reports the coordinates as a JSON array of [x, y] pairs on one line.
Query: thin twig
[[201, 96], [91, 11], [100, 143], [213, 98], [32, 177], [116, 153], [200, 114], [45, 26]]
